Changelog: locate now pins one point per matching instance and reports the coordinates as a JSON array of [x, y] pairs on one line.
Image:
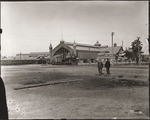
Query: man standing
[[107, 65], [100, 66]]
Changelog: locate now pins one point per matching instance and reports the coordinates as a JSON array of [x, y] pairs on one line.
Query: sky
[[32, 26]]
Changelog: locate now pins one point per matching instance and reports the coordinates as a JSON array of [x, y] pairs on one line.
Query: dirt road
[[123, 94]]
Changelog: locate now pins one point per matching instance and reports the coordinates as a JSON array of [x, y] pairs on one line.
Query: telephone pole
[[112, 49], [138, 45]]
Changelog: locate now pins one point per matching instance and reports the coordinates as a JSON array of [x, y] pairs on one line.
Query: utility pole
[[138, 45], [112, 48]]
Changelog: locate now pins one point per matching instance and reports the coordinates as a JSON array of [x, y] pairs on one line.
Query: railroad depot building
[[84, 52]]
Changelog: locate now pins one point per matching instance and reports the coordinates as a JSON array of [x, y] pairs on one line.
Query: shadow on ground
[[96, 83]]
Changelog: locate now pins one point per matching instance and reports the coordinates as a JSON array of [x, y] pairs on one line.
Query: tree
[[136, 47], [129, 55]]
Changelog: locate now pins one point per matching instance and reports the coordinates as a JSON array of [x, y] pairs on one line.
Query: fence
[[20, 62]]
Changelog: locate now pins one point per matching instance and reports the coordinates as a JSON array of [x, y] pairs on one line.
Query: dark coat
[[100, 64], [3, 103], [107, 64]]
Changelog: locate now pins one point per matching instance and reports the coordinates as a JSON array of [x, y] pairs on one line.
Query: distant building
[[107, 52], [38, 54], [84, 52], [32, 55], [22, 56]]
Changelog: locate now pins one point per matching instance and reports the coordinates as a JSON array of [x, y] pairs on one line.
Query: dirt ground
[[124, 94]]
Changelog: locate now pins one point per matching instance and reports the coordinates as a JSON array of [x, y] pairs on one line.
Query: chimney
[[115, 44]]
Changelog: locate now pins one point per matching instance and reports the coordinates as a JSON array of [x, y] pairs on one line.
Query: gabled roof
[[62, 45], [116, 49]]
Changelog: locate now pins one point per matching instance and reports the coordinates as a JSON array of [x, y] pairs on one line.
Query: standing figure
[[3, 102], [107, 65], [100, 66]]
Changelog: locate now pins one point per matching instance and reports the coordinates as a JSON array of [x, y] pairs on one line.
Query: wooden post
[[112, 48]]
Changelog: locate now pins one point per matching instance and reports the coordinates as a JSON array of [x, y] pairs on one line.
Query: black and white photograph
[[74, 60]]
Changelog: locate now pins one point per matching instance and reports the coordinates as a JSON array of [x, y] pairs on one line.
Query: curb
[[46, 84]]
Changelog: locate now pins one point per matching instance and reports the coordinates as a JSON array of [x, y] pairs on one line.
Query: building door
[[62, 51]]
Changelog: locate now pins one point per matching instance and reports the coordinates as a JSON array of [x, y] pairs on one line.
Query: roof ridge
[[86, 45]]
